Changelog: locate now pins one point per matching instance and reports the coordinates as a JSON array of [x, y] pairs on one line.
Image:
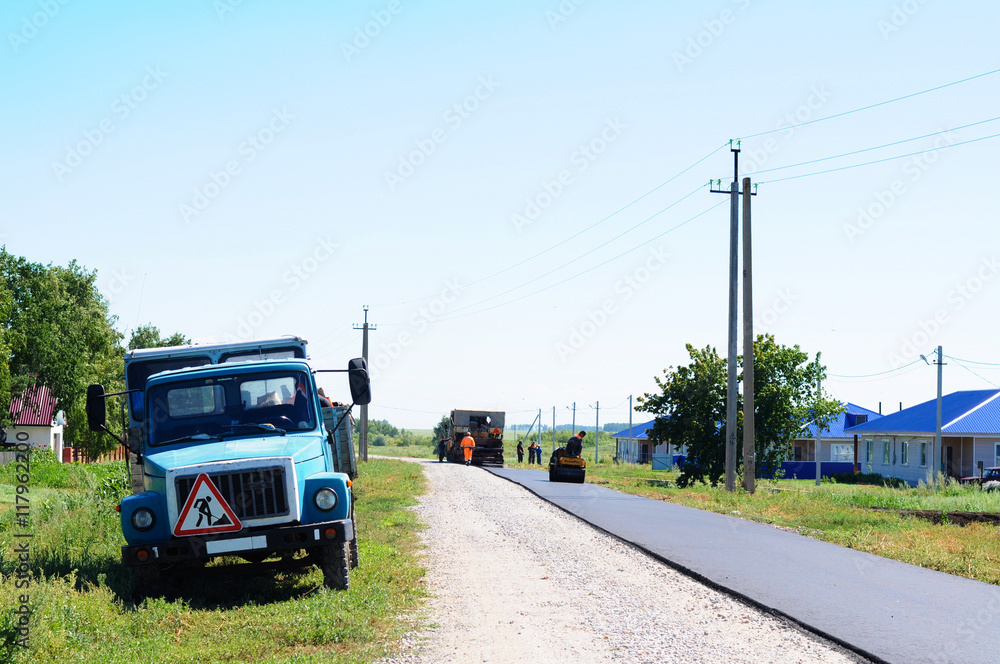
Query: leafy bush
[[869, 478], [379, 441]]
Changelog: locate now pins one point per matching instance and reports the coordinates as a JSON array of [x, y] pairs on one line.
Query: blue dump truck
[[234, 452]]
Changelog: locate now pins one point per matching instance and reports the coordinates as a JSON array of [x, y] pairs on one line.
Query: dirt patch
[[953, 518]]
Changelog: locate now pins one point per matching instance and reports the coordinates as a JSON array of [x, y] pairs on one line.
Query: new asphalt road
[[886, 610]]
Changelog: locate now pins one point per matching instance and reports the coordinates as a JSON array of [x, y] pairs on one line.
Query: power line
[[974, 373], [590, 269], [870, 106], [571, 237], [877, 147], [988, 364], [880, 373], [583, 255], [879, 161]]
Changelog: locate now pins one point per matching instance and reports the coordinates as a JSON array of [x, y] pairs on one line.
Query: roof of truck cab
[[250, 366], [197, 349]]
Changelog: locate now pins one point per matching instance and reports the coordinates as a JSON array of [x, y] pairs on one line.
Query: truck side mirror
[[357, 375], [96, 408]]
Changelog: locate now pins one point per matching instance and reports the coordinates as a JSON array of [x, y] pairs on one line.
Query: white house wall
[[985, 451], [50, 438]]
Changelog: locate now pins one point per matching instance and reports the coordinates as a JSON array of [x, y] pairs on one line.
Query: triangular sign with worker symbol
[[206, 511]]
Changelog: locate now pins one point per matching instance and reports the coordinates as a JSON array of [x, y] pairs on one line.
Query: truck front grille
[[253, 494]]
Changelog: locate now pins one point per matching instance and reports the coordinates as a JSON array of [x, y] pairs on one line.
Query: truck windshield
[[245, 404]]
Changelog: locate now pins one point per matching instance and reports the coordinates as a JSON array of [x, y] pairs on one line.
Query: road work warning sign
[[206, 511]]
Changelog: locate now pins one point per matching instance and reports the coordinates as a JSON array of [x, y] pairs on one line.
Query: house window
[[904, 453], [860, 419], [842, 452], [996, 459], [923, 454], [886, 453], [870, 451]]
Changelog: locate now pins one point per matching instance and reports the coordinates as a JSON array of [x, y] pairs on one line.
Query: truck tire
[[335, 563], [355, 559]]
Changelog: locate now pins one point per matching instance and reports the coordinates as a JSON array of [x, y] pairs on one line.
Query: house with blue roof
[[899, 445], [834, 446], [634, 446]]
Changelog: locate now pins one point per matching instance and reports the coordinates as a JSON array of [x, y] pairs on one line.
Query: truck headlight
[[143, 519], [325, 499]]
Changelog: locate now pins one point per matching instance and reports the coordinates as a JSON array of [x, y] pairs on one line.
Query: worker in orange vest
[[467, 444]]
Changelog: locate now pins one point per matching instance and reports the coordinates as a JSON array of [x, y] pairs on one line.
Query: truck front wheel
[[335, 563]]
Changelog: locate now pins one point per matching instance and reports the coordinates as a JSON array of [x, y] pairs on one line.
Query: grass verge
[[81, 609]]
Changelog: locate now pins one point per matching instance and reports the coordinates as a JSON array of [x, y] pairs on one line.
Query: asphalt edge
[[690, 573]]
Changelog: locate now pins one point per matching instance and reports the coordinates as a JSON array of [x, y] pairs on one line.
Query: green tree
[[441, 428], [691, 407], [787, 395], [148, 336], [376, 427], [58, 332]]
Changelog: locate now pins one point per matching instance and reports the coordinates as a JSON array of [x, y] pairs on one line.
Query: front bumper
[[205, 547]]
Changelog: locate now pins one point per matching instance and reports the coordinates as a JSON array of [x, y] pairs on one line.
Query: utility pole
[[734, 229], [731, 387], [629, 425], [819, 446], [573, 428], [363, 432], [553, 429], [597, 430], [749, 463], [937, 453]]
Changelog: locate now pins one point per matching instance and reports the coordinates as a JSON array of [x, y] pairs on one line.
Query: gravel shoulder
[[514, 579]]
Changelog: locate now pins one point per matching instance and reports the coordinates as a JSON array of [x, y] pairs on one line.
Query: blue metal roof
[[848, 418], [637, 431], [970, 411]]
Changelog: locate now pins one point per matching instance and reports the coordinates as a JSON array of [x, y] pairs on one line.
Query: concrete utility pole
[[553, 429], [938, 459], [731, 392], [819, 446], [363, 431], [731, 387], [573, 428], [749, 460], [597, 430], [629, 426]]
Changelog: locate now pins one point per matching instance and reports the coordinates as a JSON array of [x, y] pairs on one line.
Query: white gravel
[[514, 579]]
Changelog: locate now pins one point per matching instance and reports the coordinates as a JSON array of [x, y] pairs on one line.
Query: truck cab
[[239, 456]]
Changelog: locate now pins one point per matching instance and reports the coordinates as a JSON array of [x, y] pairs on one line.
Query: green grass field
[[81, 596]]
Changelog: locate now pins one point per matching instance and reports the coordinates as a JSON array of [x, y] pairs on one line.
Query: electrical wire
[[877, 147], [988, 364], [881, 373], [879, 161], [974, 373], [871, 106], [578, 274], [571, 237], [581, 256]]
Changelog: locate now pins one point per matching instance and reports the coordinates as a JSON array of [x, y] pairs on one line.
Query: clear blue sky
[[236, 169]]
